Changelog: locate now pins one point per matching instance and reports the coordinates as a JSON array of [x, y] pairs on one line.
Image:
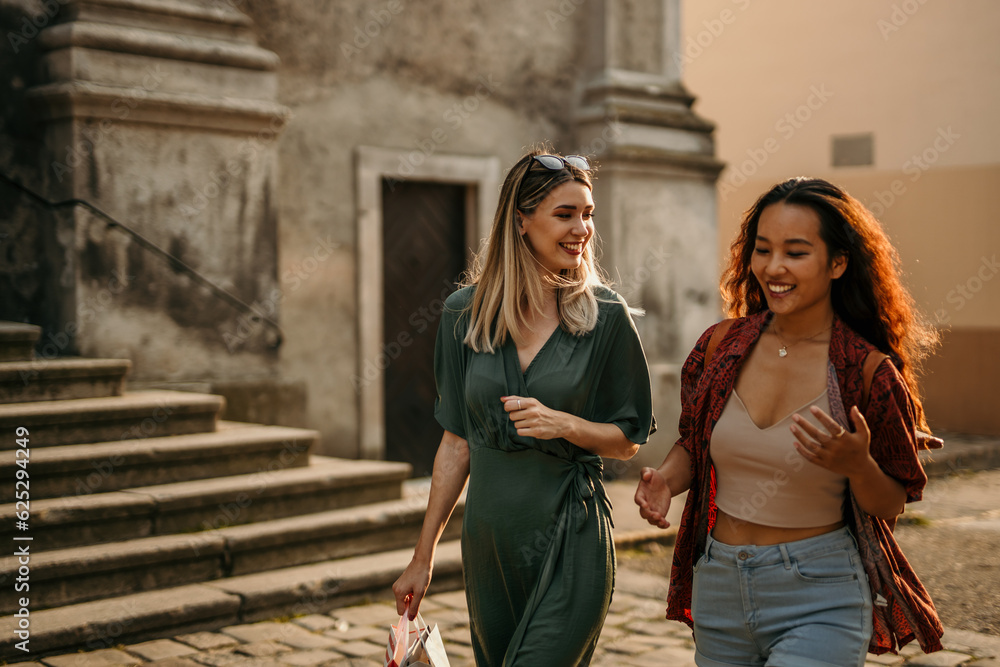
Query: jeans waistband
[[752, 555]]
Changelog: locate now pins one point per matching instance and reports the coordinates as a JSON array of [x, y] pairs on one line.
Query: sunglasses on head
[[554, 163], [557, 162]]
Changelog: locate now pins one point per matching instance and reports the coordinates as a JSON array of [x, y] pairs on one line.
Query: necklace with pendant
[[783, 350]]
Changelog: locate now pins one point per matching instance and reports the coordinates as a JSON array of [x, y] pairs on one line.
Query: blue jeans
[[798, 604]]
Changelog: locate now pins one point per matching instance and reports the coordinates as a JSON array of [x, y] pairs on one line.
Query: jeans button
[[744, 555]]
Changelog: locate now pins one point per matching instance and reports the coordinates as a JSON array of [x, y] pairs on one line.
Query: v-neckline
[[517, 353], [780, 421]]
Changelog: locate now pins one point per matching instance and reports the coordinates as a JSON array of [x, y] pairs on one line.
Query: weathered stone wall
[[162, 115], [429, 78], [277, 223]]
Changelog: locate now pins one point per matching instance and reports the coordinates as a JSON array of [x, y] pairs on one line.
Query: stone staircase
[[150, 517]]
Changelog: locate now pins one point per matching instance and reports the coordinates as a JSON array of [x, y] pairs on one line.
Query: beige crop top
[[762, 478]]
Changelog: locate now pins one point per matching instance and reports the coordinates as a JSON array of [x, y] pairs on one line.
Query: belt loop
[[784, 556]]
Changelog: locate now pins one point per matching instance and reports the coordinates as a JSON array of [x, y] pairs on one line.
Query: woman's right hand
[[411, 586], [653, 498]]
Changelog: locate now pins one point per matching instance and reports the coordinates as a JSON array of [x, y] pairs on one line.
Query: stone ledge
[[159, 451], [961, 454], [88, 560], [166, 8], [64, 367], [112, 407], [628, 111], [17, 332], [610, 82], [80, 99], [640, 158], [219, 22], [324, 586], [105, 467], [146, 42], [109, 622]]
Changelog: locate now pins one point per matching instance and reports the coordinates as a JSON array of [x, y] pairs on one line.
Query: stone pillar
[[163, 114], [655, 192]]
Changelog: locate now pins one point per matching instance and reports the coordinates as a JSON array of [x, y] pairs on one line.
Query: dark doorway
[[424, 251]]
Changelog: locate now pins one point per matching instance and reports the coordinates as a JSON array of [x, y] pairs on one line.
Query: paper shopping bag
[[401, 639], [429, 651]]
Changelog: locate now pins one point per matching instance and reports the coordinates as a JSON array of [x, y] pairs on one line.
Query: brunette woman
[[797, 458], [540, 373]]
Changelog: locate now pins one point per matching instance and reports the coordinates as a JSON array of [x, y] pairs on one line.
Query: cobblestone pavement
[[635, 634]]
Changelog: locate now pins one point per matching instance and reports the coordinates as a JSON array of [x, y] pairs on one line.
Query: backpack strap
[[872, 362], [717, 335]]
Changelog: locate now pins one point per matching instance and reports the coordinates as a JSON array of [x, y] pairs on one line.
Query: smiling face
[[791, 261], [558, 230]]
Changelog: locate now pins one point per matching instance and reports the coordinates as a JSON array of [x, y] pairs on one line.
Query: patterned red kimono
[[902, 608]]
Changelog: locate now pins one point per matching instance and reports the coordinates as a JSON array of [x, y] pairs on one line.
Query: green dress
[[537, 549]]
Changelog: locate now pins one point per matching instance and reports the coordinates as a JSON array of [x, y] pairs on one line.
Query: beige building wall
[[922, 77]]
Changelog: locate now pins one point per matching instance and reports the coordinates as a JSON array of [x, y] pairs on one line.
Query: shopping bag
[[401, 639], [429, 649]]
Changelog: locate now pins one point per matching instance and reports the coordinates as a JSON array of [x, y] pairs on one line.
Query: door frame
[[481, 175]]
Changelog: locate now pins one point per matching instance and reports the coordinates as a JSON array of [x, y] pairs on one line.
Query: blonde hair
[[506, 273]]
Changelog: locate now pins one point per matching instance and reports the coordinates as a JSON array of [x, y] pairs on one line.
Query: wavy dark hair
[[869, 296]]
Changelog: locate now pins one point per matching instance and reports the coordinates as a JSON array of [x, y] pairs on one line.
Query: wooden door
[[424, 251]]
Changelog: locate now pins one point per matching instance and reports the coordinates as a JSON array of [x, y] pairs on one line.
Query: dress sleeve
[[624, 396], [891, 418], [450, 405]]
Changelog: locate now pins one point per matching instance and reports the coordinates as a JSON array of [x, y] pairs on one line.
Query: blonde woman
[[539, 373]]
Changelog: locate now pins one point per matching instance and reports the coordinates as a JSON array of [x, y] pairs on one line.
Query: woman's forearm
[[451, 471], [676, 470], [605, 440], [877, 493]]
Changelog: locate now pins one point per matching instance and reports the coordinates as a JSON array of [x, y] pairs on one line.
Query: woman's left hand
[[534, 420], [836, 449]]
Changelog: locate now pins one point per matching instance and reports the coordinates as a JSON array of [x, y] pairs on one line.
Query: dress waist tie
[[577, 489]]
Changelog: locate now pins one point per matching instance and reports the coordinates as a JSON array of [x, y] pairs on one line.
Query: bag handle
[[401, 641], [872, 362], [717, 335]]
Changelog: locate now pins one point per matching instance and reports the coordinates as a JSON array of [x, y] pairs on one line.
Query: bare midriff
[[730, 530]]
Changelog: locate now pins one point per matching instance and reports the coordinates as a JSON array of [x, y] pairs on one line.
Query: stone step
[[17, 341], [59, 379], [302, 590], [81, 574], [141, 414], [235, 449], [166, 509]]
